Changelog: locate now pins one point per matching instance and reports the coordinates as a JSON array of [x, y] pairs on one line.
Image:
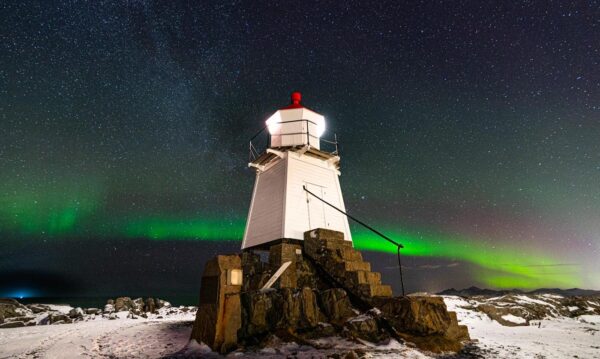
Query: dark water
[[99, 302]]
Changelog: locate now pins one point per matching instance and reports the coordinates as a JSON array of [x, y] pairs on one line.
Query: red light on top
[[295, 103]]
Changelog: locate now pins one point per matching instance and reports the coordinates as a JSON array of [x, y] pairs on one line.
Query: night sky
[[469, 131]]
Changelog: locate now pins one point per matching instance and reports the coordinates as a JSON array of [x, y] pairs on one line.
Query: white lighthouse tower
[[291, 161]]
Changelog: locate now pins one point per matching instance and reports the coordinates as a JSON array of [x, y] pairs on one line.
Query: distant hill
[[474, 291]]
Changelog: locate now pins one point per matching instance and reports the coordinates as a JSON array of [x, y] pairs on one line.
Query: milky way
[[469, 132]]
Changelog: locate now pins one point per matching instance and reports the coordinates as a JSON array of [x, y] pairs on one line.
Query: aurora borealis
[[469, 132]]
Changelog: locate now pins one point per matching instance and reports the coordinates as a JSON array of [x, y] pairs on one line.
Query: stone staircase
[[345, 264]]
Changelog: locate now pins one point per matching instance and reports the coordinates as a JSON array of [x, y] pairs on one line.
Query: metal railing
[[263, 139], [398, 245]]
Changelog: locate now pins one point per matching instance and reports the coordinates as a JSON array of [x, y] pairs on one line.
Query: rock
[[425, 321], [109, 308], [150, 305], [15, 324], [11, 308], [38, 308], [59, 318], [365, 327], [123, 304], [110, 301], [93, 311], [336, 305], [76, 313], [286, 309], [138, 305], [161, 303]]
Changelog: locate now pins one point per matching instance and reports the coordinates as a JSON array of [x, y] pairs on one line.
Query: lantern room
[[295, 125]]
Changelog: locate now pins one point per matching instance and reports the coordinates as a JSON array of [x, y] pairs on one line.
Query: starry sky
[[469, 131]]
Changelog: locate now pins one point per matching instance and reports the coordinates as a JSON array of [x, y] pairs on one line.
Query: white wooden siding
[[279, 207], [265, 218]]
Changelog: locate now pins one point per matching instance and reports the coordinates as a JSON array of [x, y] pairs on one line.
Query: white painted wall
[[265, 218], [279, 207], [303, 169]]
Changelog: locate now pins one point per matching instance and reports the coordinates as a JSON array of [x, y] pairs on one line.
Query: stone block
[[336, 305], [219, 311], [349, 254], [364, 277], [279, 254], [353, 266], [375, 290], [324, 234]]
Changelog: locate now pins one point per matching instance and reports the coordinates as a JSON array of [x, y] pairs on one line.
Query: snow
[[572, 309], [127, 338], [555, 338], [528, 300], [167, 334], [514, 319]]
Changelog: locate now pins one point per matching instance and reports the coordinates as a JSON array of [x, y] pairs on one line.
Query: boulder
[[38, 308], [15, 324], [336, 305], [287, 309], [76, 313], [150, 305], [93, 311], [11, 308], [123, 304], [365, 327], [109, 308], [138, 305], [59, 318], [425, 321]]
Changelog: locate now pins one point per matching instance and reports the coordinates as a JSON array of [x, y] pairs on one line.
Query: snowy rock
[[150, 305], [123, 304], [38, 308], [93, 311], [12, 324], [109, 308], [76, 313]]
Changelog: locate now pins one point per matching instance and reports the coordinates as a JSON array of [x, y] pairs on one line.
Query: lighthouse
[[296, 171]]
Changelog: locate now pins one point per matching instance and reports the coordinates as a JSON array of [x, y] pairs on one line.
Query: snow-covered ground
[[161, 334], [166, 334], [559, 337]]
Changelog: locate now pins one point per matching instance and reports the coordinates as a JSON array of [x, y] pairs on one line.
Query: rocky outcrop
[[326, 290], [522, 309], [425, 321]]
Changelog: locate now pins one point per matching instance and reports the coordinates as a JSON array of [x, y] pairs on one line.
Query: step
[[349, 254], [364, 277], [377, 290], [348, 266]]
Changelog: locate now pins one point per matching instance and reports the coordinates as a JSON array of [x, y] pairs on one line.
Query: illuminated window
[[234, 277]]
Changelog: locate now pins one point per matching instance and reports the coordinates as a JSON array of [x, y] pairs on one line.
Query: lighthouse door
[[316, 208]]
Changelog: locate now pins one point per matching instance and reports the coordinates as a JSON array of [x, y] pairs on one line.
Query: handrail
[[398, 245], [254, 151]]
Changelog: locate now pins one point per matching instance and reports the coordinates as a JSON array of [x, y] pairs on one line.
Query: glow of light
[[321, 128], [274, 123], [21, 293]]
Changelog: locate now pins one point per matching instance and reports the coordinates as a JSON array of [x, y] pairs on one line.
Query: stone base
[[327, 290]]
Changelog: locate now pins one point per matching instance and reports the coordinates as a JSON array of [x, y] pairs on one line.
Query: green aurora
[[57, 215], [500, 267]]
